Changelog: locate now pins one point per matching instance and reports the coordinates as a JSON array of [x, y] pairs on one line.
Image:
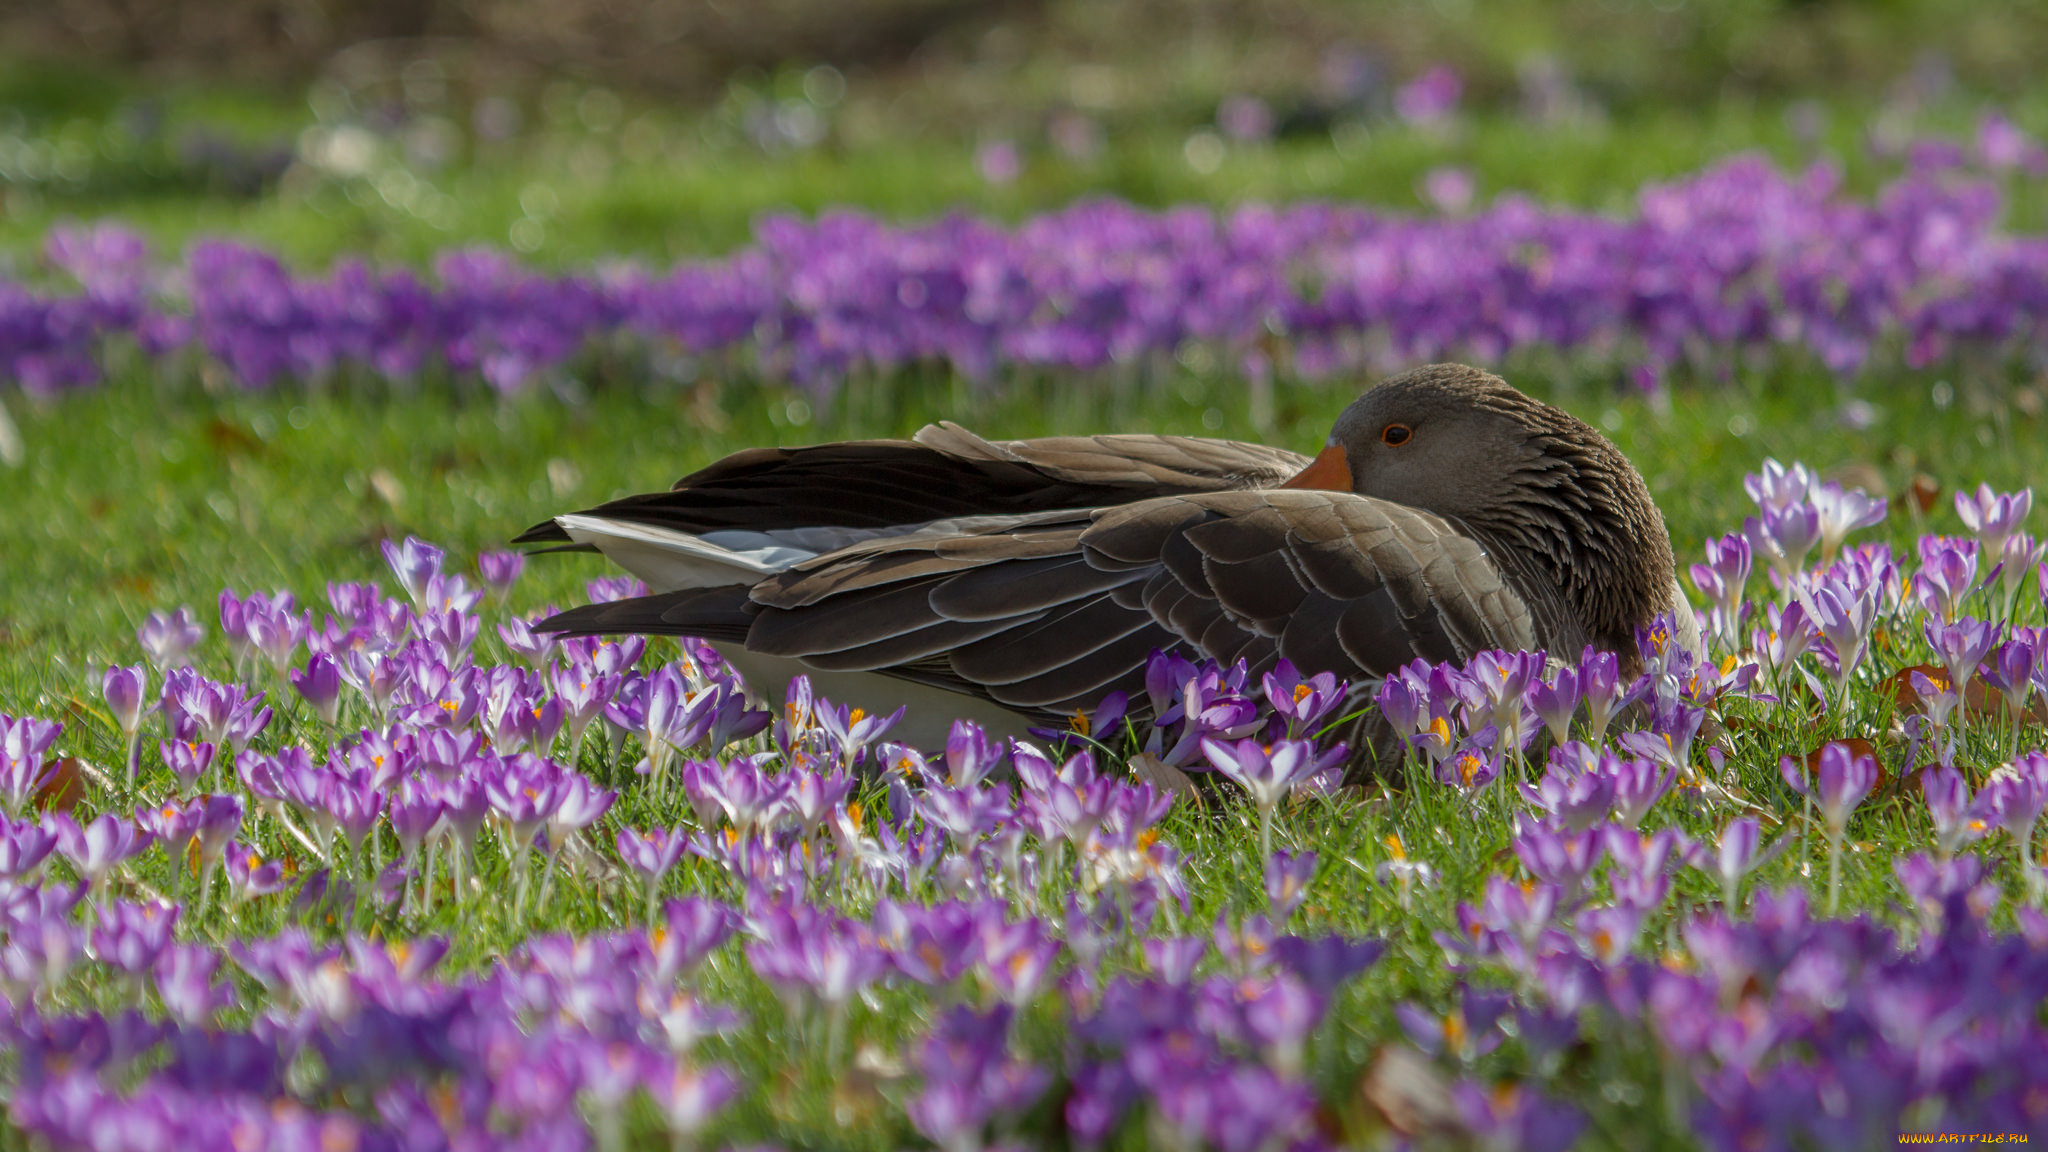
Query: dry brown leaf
[[1980, 702], [64, 788]]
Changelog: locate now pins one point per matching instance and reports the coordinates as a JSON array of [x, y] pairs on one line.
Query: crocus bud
[[124, 688], [500, 570], [320, 685]]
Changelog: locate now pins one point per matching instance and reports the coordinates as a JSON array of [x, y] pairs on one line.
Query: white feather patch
[[669, 560]]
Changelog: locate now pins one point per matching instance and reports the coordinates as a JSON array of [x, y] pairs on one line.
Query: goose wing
[[945, 472], [1048, 612]]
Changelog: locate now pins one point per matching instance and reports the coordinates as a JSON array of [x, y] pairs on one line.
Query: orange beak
[[1329, 470]]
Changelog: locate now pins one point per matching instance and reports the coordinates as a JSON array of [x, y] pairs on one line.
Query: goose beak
[[1329, 470]]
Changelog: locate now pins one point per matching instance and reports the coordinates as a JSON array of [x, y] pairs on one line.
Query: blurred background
[[569, 129]]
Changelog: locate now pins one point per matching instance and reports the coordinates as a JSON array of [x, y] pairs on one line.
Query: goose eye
[[1395, 435]]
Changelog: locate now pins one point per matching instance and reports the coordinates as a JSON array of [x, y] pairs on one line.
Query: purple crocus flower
[[1173, 960], [811, 797], [1302, 702], [124, 688], [522, 641], [1948, 573], [965, 814], [815, 955], [500, 570], [686, 932], [100, 846], [21, 777], [582, 804], [1269, 772], [415, 562], [350, 807], [1575, 797], [1605, 694], [2011, 672], [1723, 580], [1609, 934], [848, 731], [1777, 485], [583, 695], [1845, 616], [219, 817], [376, 677], [750, 796], [1402, 699], [1325, 963], [1638, 785], [450, 631], [1556, 702], [1516, 1117], [250, 875], [2012, 799], [273, 632], [23, 848], [1736, 855], [933, 945], [651, 854], [414, 809], [1468, 1031], [1473, 767], [1956, 820], [1842, 512], [1992, 517], [319, 684], [26, 738], [2022, 553], [970, 754], [1287, 881], [168, 639], [1961, 646], [1783, 536], [130, 937], [186, 986], [1843, 781], [1430, 98], [1932, 884], [1248, 946], [689, 1097], [1560, 858], [1016, 959], [525, 791], [1501, 680]]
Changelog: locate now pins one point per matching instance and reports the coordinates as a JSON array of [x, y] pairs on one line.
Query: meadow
[[310, 841]]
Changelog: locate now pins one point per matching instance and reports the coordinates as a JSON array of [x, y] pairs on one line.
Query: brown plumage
[[1448, 514]]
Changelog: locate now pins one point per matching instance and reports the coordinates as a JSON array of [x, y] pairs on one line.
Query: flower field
[[349, 857], [251, 881], [1708, 272]]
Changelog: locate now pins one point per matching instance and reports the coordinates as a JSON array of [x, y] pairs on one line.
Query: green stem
[[1834, 871]]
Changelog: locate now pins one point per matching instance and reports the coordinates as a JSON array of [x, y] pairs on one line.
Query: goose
[[1016, 582]]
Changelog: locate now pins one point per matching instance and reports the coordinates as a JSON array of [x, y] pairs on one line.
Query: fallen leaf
[[1857, 746], [1924, 491], [64, 788], [1980, 702], [1409, 1093], [1162, 775], [228, 438]]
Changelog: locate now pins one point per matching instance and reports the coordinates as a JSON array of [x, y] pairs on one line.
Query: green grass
[[150, 493], [665, 185], [135, 498], [138, 498]]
